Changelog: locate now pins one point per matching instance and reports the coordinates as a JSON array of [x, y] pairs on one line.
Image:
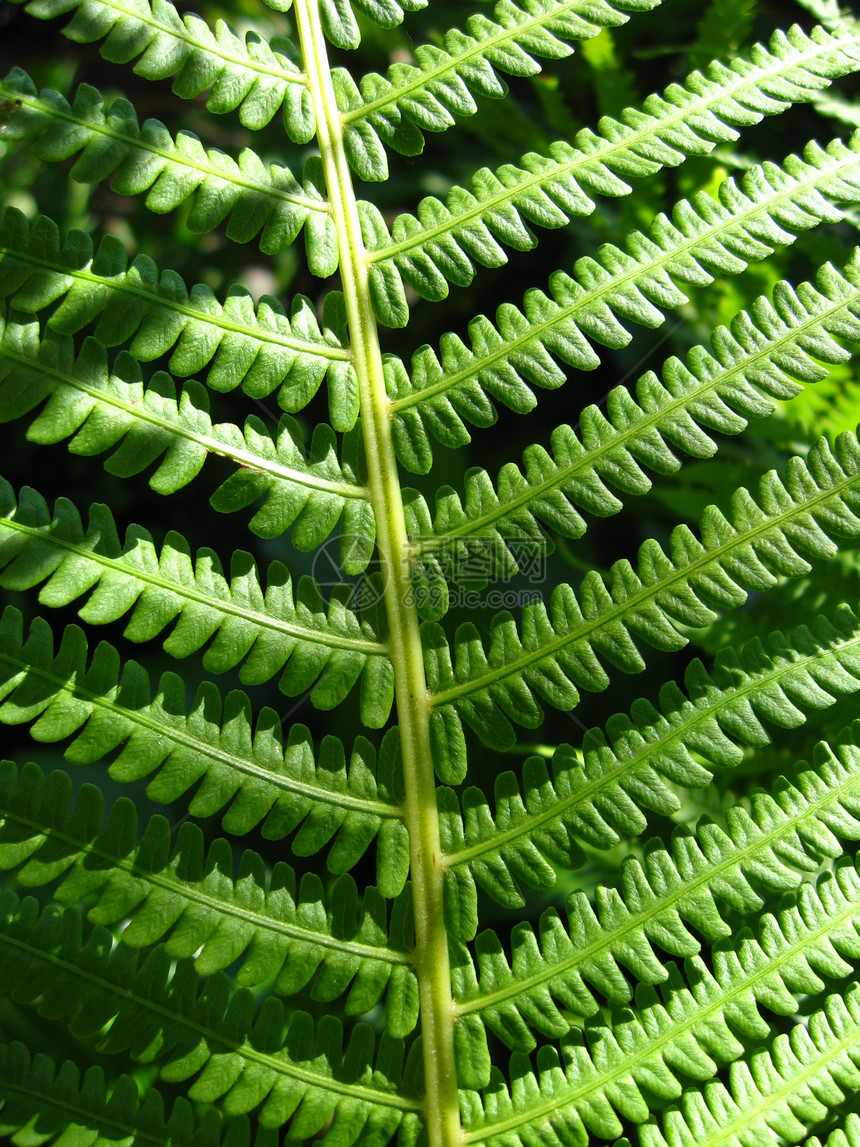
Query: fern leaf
[[328, 798], [822, 591], [102, 408], [841, 110], [848, 1135], [241, 73], [174, 171], [554, 654], [670, 899], [696, 1024], [36, 1099], [396, 109], [338, 17], [704, 238], [445, 241], [55, 963], [264, 351], [186, 892], [244, 74], [286, 993], [598, 797], [768, 353], [324, 649], [781, 1092]]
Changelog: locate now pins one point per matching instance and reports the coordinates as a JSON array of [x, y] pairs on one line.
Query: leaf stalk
[[441, 1106]]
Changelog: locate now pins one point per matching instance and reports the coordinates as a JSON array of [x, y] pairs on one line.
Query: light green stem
[[441, 1107]]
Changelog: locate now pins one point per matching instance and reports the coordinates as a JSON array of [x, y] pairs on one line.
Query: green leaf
[[846, 1135], [598, 796], [782, 1091], [557, 652], [444, 242], [324, 648], [102, 408], [172, 171], [704, 238], [691, 1029], [573, 936], [766, 354], [33, 1094], [396, 109], [671, 900], [243, 74], [179, 890], [246, 772], [262, 348], [194, 1029]]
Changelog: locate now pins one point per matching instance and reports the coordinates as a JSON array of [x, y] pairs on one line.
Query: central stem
[[441, 1108]]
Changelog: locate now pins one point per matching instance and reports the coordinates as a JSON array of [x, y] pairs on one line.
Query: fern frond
[[821, 592], [263, 349], [598, 796], [705, 237], [671, 899], [767, 353], [296, 1067], [40, 1104], [329, 798], [781, 1092], [105, 408], [693, 1026], [244, 74], [391, 953], [321, 647], [396, 109], [844, 111], [555, 651], [185, 892], [338, 17], [445, 241], [848, 1135], [172, 171]]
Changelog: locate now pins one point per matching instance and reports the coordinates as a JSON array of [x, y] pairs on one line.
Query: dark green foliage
[[541, 744]]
